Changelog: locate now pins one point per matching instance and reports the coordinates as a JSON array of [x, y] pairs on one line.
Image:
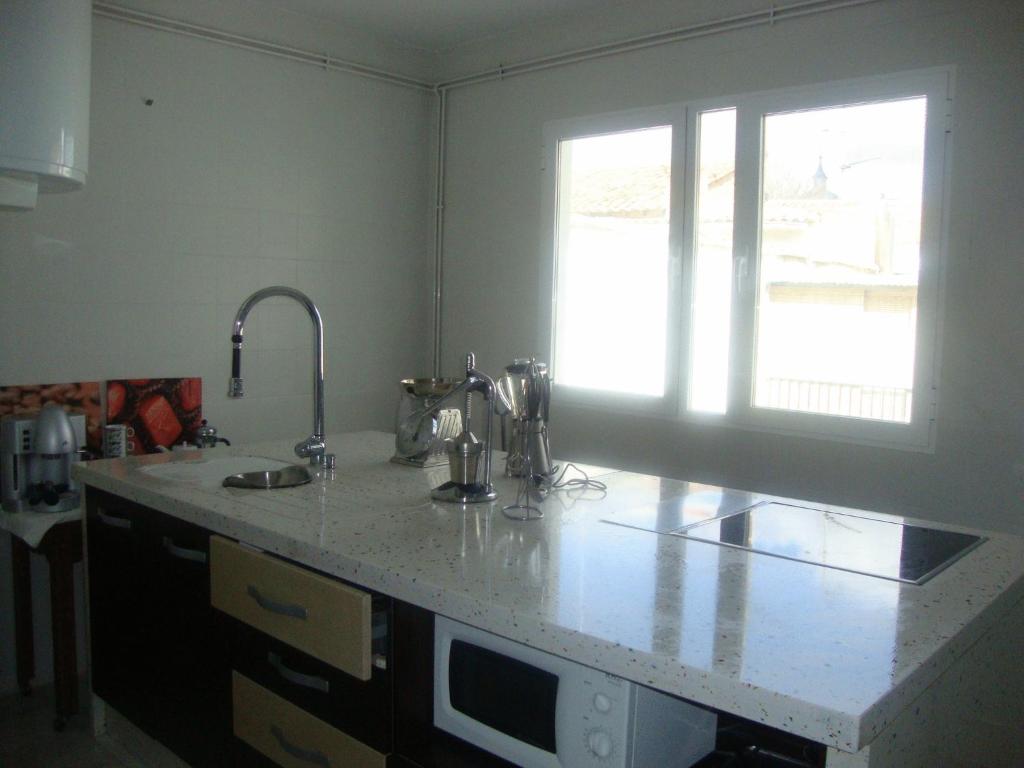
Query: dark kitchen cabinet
[[292, 667], [310, 658], [359, 708], [188, 637], [119, 575], [158, 648], [202, 681]]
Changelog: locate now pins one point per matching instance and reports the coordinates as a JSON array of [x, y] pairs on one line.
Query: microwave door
[[505, 705]]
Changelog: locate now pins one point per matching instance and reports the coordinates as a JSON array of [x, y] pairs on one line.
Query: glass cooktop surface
[[887, 549]]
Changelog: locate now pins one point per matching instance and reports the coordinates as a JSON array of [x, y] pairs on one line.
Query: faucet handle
[[311, 448]]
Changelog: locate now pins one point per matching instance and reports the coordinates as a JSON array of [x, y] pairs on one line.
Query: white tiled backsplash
[[246, 171]]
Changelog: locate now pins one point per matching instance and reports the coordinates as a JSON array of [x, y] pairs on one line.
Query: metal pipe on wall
[[442, 103], [769, 16], [321, 60]]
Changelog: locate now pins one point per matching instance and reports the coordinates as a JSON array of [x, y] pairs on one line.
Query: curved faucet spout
[[312, 447]]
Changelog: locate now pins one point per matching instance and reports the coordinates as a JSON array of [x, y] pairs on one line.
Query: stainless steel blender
[[525, 394]]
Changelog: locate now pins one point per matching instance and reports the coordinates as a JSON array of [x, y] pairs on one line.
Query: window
[[613, 248], [837, 292], [767, 261]]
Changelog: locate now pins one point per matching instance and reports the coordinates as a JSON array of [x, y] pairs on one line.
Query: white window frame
[[578, 128], [936, 85]]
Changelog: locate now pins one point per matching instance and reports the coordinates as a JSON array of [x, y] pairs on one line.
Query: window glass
[[612, 261], [840, 227], [712, 261]]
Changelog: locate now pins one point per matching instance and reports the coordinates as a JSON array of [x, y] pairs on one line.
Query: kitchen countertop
[[830, 655]]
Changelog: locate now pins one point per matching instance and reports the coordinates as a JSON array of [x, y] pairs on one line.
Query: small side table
[[61, 545]]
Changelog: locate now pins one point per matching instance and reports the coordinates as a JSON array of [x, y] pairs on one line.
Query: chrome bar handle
[[379, 640], [468, 407], [299, 678], [183, 553], [306, 755], [284, 609], [113, 522]]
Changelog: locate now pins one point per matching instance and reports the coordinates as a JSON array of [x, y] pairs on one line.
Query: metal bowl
[[427, 387]]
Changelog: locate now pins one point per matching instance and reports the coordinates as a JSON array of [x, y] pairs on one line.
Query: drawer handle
[[113, 522], [306, 755], [285, 609], [182, 553], [299, 678]]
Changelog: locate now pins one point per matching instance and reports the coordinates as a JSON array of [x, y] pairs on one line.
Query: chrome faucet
[[313, 447]]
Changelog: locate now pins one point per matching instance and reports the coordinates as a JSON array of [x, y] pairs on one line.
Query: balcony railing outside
[[837, 399]]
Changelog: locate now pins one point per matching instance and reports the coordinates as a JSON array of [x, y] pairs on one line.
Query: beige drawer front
[[317, 615], [290, 736]]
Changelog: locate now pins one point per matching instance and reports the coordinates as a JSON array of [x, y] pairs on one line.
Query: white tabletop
[[31, 527]]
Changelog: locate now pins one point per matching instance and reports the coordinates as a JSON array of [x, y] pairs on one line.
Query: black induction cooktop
[[882, 548]]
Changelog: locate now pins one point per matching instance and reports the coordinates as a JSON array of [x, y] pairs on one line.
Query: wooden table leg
[[60, 550], [23, 643]]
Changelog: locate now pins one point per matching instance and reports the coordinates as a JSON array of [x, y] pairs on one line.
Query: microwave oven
[[539, 710]]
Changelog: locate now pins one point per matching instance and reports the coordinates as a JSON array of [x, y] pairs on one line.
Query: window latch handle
[[742, 272]]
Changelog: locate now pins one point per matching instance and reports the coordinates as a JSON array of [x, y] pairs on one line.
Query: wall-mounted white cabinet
[[45, 52]]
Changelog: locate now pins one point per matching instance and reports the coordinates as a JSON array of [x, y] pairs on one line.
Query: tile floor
[[28, 740]]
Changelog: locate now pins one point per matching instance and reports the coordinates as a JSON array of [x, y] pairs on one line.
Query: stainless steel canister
[[464, 458]]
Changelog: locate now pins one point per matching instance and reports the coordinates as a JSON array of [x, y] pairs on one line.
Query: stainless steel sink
[[269, 479], [232, 471]]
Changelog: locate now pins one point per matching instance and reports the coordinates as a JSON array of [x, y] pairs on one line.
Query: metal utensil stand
[[530, 486]]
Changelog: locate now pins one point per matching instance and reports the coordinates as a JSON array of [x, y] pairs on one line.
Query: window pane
[[712, 264], [612, 265], [840, 246]]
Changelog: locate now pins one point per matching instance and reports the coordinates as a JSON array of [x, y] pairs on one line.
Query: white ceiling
[[440, 25]]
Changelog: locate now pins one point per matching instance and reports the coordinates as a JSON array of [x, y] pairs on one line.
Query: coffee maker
[[36, 454]]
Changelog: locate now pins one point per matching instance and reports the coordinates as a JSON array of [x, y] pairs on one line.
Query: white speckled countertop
[[830, 655]]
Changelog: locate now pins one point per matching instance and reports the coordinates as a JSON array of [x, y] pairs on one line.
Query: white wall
[[493, 237], [246, 171]]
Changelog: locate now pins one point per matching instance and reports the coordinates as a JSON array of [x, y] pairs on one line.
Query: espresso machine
[[36, 454], [525, 394]]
